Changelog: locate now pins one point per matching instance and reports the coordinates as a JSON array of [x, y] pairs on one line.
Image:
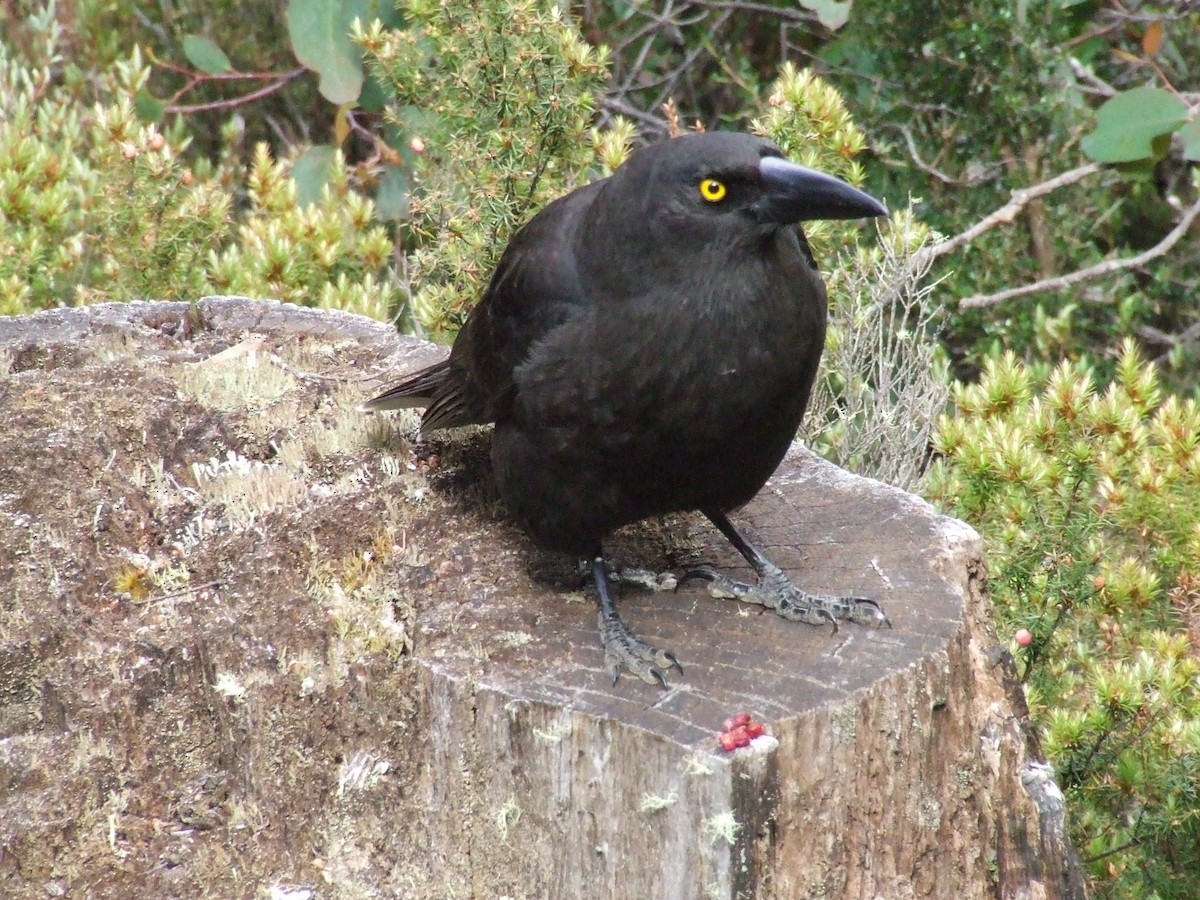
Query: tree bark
[[250, 645]]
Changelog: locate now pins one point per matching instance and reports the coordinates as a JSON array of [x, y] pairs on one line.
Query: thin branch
[[175, 595], [1085, 75], [1185, 337], [617, 106], [793, 15], [914, 153], [185, 108], [1100, 269], [1007, 213], [636, 69], [672, 79], [200, 77]]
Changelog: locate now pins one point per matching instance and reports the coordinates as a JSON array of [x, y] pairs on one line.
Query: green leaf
[[311, 172], [1191, 140], [148, 107], [1090, 50], [391, 200], [205, 55], [1127, 125], [623, 8], [832, 14], [320, 39], [376, 95]]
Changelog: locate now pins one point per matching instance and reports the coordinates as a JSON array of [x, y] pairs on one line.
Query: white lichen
[[723, 826], [652, 803]]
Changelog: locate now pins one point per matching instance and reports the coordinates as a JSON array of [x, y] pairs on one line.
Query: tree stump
[[344, 676]]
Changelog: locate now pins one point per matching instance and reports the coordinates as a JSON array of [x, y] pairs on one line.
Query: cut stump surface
[[252, 639]]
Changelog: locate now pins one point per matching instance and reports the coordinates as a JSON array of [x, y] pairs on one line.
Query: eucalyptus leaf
[[148, 107], [205, 55], [831, 13], [321, 41], [1128, 124], [1191, 140], [311, 172]]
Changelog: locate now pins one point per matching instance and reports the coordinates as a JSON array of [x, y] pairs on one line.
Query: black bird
[[647, 344]]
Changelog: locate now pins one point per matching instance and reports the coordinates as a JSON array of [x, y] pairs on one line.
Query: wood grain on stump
[[477, 748]]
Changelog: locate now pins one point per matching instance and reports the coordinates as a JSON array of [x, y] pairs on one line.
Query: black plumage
[[648, 343]]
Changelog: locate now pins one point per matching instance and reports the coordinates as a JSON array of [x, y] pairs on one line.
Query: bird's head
[[706, 182]]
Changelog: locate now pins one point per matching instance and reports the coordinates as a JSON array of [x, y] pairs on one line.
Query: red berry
[[728, 742], [742, 718], [728, 724], [755, 729], [740, 736], [1023, 637]]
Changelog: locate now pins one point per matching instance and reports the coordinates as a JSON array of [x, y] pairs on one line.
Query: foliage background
[[364, 157]]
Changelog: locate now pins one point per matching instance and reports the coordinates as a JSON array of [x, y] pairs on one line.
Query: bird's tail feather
[[416, 391]]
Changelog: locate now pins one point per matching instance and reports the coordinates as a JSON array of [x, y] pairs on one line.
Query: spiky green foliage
[[1089, 501], [329, 253], [883, 379], [500, 93], [42, 185], [808, 120], [147, 222], [95, 205]]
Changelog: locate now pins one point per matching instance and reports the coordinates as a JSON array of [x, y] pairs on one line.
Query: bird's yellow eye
[[712, 190]]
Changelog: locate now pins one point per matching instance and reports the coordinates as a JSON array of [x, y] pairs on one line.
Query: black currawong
[[647, 344]]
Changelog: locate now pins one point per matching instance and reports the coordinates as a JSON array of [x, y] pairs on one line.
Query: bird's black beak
[[794, 193]]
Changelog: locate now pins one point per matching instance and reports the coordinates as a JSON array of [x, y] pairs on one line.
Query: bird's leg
[[776, 592], [621, 646]]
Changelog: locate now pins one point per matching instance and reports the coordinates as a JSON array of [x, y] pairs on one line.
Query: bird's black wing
[[534, 289]]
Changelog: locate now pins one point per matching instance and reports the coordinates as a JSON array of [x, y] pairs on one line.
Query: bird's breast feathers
[[637, 371]]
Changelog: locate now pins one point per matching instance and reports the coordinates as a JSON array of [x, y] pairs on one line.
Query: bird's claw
[[646, 579], [873, 612], [624, 649], [776, 592], [719, 585]]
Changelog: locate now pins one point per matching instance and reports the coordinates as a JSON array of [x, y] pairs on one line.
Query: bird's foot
[[776, 592], [646, 579], [624, 649]]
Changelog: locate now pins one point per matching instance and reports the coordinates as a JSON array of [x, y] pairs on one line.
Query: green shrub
[[95, 205], [500, 96], [995, 96], [1089, 501], [807, 119], [883, 379]]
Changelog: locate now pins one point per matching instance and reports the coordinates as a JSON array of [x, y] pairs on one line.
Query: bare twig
[[199, 77], [964, 180], [794, 15], [1188, 335], [672, 78], [881, 386], [184, 108], [1100, 269], [175, 595], [617, 106], [1007, 213], [1095, 83]]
